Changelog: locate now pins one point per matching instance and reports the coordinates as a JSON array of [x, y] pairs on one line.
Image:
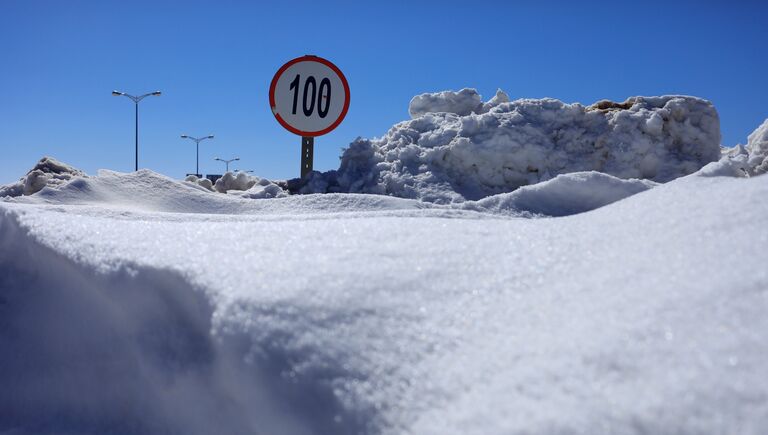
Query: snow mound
[[47, 172], [453, 151], [564, 195]]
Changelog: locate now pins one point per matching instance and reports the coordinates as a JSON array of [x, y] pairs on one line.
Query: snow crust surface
[[133, 303]]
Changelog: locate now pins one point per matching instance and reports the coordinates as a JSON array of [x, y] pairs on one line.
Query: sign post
[[307, 151], [309, 97]]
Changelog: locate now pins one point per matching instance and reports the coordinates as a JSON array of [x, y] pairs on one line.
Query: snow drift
[[643, 316], [564, 195], [457, 148]]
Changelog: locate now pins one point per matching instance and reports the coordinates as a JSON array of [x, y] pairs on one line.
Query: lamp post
[[136, 103], [197, 145], [227, 162]]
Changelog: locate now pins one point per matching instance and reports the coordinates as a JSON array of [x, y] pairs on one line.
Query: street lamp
[[227, 161], [136, 102], [197, 143]]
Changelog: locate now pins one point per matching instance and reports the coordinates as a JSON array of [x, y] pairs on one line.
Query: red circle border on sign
[[273, 85]]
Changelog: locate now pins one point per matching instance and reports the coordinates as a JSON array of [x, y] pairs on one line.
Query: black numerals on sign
[[308, 110], [321, 94], [324, 97]]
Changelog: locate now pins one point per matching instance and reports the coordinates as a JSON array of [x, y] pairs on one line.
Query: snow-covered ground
[[133, 306], [586, 303]]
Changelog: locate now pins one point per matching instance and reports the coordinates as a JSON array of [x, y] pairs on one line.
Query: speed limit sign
[[309, 96]]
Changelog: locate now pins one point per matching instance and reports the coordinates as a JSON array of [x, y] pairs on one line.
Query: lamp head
[[156, 93], [184, 136], [210, 137], [117, 93]]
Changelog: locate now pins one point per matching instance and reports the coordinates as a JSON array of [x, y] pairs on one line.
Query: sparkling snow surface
[[132, 304]]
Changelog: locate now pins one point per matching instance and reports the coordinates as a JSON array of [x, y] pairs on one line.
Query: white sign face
[[309, 96]]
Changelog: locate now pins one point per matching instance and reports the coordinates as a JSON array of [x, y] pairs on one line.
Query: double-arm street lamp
[[227, 161], [197, 143], [136, 102]]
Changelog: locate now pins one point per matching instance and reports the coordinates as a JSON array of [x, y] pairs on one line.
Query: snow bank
[[454, 150], [47, 172], [644, 316]]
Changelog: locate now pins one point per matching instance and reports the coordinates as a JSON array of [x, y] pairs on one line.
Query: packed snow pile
[[457, 148], [47, 172]]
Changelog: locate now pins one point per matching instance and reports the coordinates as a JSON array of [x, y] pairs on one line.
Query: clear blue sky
[[213, 61]]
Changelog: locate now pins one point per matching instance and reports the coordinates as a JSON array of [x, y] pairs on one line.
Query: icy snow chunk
[[248, 186], [464, 102], [202, 182], [48, 172], [263, 189], [500, 97], [452, 151], [742, 161], [234, 181], [757, 145], [733, 163]]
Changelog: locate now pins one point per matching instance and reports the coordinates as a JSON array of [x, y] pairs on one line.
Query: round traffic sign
[[309, 96]]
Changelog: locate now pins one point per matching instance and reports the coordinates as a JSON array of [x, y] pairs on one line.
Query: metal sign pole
[[307, 150]]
